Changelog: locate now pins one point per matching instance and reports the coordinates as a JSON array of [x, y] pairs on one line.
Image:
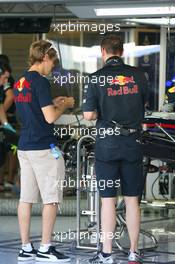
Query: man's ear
[[46, 57], [103, 51], [121, 53]]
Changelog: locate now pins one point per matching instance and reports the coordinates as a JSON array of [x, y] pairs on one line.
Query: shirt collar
[[114, 61]]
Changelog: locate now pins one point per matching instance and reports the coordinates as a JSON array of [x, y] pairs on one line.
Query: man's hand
[[58, 100], [64, 102], [69, 102], [52, 112], [9, 127]]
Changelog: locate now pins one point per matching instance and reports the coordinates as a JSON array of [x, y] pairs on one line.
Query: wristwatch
[[5, 123]]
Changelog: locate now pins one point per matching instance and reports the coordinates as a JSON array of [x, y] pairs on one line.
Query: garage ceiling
[[72, 9]]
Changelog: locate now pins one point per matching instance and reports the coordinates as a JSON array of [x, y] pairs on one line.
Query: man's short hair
[[112, 42], [39, 49], [4, 59], [4, 67]]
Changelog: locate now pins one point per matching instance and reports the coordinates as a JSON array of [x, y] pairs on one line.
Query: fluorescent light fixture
[[130, 49], [154, 21], [121, 11]]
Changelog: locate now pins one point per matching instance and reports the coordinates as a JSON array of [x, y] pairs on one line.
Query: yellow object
[[14, 149], [171, 90]]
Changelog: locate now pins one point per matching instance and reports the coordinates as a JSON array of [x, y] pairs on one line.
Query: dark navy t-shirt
[[31, 93], [121, 98], [118, 93]]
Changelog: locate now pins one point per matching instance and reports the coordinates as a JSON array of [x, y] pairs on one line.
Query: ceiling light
[[161, 10], [154, 21]]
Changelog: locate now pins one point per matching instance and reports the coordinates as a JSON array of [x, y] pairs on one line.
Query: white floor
[[162, 227]]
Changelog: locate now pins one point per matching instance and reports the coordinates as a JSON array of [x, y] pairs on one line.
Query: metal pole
[[0, 44], [162, 65], [78, 188], [132, 61], [81, 71]]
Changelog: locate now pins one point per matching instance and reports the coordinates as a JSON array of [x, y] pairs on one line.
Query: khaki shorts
[[41, 176]]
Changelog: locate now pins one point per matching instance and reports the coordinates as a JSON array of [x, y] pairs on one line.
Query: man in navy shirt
[[9, 108], [118, 106], [4, 75], [41, 171], [31, 94]]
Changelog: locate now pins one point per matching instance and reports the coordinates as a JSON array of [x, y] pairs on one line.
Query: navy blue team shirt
[[31, 93], [121, 98]]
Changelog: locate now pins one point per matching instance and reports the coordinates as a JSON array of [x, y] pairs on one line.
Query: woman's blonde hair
[[39, 49]]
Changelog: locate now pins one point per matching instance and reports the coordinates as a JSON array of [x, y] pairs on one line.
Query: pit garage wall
[[16, 46]]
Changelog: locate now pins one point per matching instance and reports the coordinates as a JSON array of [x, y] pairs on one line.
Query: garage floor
[[162, 226]]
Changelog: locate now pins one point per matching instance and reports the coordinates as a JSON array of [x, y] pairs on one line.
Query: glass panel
[[80, 55], [170, 73], [143, 51], [148, 59]]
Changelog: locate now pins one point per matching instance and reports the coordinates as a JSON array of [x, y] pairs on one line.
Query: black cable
[[165, 190], [78, 121], [152, 187]]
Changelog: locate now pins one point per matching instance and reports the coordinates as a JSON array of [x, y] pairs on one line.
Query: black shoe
[[52, 256], [25, 255]]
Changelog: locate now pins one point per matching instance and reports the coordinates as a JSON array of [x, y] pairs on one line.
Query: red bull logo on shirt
[[124, 89], [122, 80], [22, 83], [22, 91]]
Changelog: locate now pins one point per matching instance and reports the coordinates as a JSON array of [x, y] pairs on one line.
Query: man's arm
[[52, 113], [8, 99], [3, 118], [52, 109], [90, 115]]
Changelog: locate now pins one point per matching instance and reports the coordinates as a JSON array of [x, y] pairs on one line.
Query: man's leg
[[133, 217], [12, 167], [24, 215], [28, 195], [48, 221], [46, 251], [108, 222], [49, 172]]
